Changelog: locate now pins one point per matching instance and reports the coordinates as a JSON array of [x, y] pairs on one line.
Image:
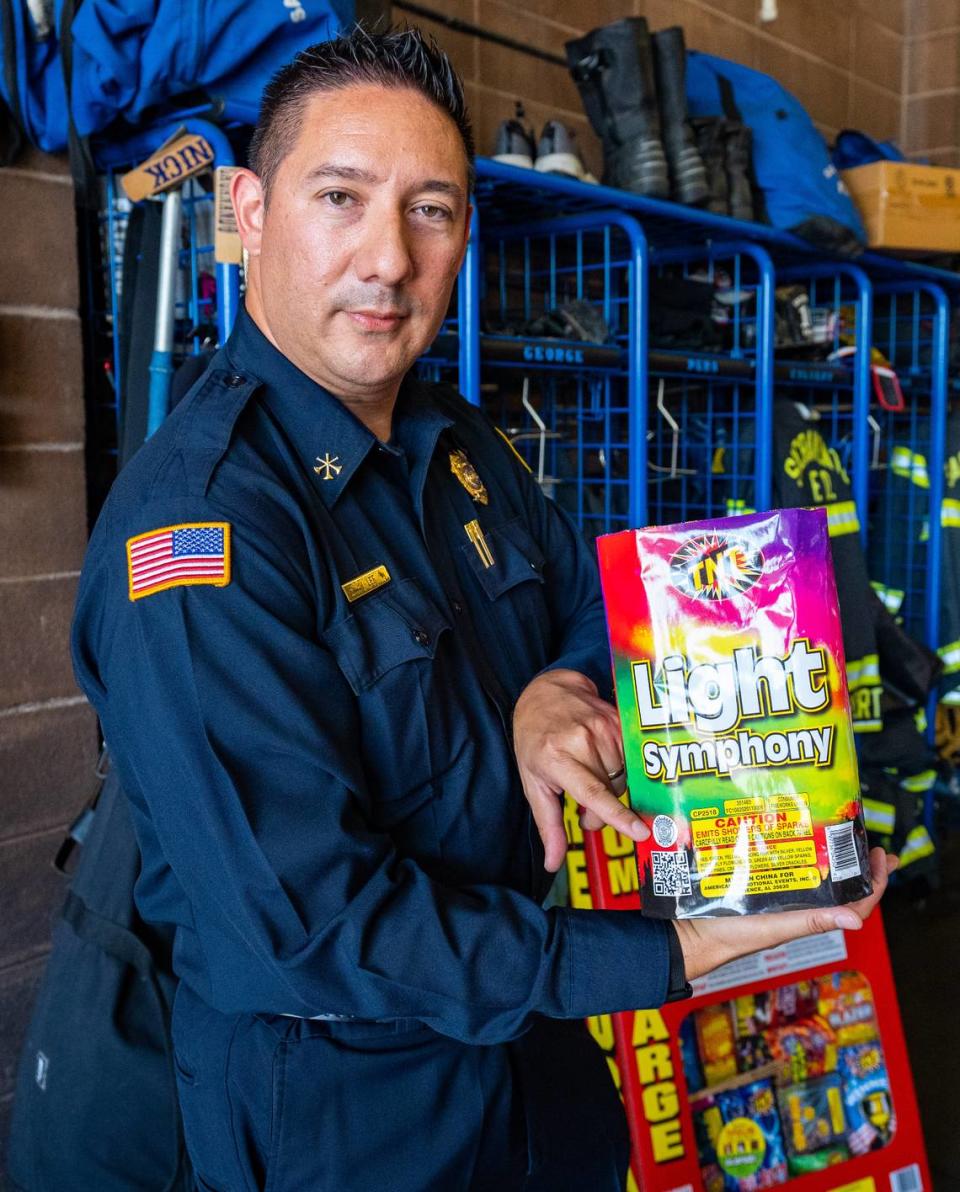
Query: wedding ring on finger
[[618, 780]]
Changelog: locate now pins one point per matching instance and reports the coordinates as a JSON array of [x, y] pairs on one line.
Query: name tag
[[364, 584]]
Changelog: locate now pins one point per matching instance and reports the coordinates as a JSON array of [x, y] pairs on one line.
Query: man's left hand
[[567, 738]]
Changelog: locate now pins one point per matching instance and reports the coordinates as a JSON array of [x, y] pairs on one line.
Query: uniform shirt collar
[[330, 440]]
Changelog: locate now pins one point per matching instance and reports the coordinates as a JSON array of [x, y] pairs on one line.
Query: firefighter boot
[[613, 69], [687, 172], [739, 151], [711, 134]]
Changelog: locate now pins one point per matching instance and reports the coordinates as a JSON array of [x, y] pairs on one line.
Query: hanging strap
[[81, 158], [11, 115], [728, 103]]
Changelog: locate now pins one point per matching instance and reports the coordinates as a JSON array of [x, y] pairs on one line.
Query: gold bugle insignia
[[475, 534], [364, 584], [466, 473]]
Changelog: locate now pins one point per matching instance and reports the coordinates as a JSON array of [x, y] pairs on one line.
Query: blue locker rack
[[709, 407], [911, 329], [835, 392], [570, 406]]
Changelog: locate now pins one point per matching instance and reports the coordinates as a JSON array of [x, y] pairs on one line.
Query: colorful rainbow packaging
[[730, 681]]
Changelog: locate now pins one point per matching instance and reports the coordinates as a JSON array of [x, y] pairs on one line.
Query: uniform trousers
[[278, 1104]]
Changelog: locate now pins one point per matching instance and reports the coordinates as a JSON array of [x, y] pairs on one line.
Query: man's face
[[356, 253]]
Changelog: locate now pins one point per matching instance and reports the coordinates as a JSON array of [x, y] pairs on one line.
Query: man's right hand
[[708, 943]]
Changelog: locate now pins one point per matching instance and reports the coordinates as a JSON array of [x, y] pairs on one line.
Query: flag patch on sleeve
[[191, 553]]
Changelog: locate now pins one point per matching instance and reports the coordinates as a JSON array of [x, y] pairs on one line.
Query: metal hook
[[673, 471], [540, 425], [875, 464]]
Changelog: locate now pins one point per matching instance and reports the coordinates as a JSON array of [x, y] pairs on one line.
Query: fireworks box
[[731, 685], [863, 1137]]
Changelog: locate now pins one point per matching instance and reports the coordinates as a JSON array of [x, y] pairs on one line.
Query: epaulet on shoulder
[[200, 429]]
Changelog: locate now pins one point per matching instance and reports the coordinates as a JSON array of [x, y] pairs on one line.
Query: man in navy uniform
[[346, 657]]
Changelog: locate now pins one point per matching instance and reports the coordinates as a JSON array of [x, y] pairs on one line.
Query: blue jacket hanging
[[131, 56], [801, 187]]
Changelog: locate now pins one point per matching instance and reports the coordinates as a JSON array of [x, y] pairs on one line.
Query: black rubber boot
[[711, 135], [613, 68], [739, 145], [687, 173]]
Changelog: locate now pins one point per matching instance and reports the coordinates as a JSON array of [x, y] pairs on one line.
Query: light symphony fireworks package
[[730, 682]]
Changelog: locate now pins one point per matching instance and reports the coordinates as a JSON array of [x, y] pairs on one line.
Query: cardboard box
[[907, 206]]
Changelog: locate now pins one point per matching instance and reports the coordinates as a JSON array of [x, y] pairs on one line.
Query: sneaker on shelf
[[514, 144], [557, 153]]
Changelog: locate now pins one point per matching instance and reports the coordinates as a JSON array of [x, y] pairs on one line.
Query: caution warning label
[[766, 843]]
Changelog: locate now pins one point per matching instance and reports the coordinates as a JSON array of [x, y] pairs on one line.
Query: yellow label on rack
[[864, 1185]]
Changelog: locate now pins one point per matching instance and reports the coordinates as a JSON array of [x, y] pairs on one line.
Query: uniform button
[[234, 381], [457, 607], [421, 637]]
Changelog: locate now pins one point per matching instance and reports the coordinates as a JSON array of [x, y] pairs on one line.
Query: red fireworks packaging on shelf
[[730, 681]]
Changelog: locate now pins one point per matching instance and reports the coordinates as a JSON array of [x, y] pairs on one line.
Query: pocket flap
[[398, 624], [516, 558]]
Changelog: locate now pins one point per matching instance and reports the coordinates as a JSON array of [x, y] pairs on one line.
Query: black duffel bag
[[95, 1107]]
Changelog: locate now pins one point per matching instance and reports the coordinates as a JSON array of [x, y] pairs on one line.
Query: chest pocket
[[396, 625], [516, 589], [516, 559], [386, 648]]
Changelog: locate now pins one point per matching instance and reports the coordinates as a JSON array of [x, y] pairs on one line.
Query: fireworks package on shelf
[[739, 1139], [730, 682]]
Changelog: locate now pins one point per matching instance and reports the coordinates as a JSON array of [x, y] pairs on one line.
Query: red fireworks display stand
[[644, 1049]]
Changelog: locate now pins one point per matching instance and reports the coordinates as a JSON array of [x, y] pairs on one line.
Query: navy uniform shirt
[[320, 770]]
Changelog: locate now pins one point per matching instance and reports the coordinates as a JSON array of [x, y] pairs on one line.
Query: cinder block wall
[[47, 731], [931, 128]]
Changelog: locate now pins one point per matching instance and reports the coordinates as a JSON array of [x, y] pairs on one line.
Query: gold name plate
[[364, 584]]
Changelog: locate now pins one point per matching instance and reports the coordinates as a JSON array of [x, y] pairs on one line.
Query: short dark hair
[[394, 58]]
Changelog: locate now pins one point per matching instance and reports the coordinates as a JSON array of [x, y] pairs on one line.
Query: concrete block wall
[[48, 735], [931, 128]]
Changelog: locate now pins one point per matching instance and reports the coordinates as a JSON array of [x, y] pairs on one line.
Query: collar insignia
[[327, 467], [466, 473]]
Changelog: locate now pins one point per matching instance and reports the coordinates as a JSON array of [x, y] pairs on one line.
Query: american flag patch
[[192, 553]]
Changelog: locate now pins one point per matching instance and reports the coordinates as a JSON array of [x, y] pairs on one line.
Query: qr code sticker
[[671, 874]]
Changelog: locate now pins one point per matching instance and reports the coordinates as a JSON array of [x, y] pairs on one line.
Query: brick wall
[[844, 59], [932, 83], [47, 731]]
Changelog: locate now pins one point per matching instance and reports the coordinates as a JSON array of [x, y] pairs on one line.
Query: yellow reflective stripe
[[917, 845], [920, 720], [868, 726], [879, 817], [892, 597], [911, 465], [950, 656], [863, 672], [950, 512], [737, 505], [917, 783], [842, 518]]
